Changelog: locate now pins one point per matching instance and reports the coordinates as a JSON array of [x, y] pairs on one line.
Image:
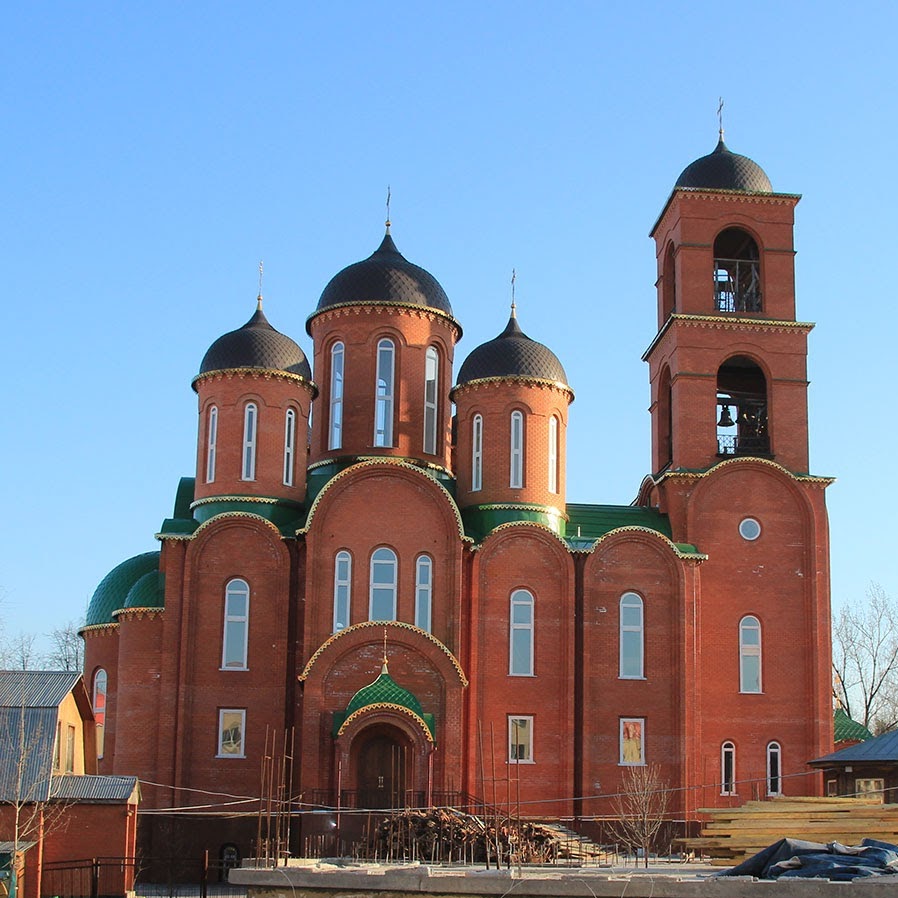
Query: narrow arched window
[[477, 453], [632, 638], [774, 769], [737, 272], [289, 446], [382, 597], [101, 683], [431, 378], [520, 661], [211, 443], [423, 592], [516, 480], [335, 440], [553, 454], [342, 589], [250, 423], [727, 769], [383, 409], [236, 625], [749, 655]]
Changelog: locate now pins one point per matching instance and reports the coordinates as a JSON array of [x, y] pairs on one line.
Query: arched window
[[335, 441], [211, 443], [382, 598], [516, 480], [289, 446], [631, 637], [101, 683], [431, 377], [423, 592], [477, 453], [342, 589], [742, 409], [250, 422], [737, 272], [236, 625], [664, 415], [749, 655], [774, 769], [520, 655], [553, 454], [669, 284], [727, 769], [383, 409]]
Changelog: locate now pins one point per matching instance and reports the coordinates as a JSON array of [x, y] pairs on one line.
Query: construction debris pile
[[444, 835]]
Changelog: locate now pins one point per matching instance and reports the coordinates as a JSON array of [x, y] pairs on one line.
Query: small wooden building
[[868, 769]]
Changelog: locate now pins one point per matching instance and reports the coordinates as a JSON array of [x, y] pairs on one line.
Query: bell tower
[[728, 366]]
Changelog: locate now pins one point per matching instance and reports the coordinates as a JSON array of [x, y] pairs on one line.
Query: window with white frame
[[382, 600], [553, 454], [477, 453], [342, 589], [870, 789], [774, 769], [423, 591], [335, 440], [728, 769], [211, 443], [520, 655], [383, 407], [632, 741], [236, 625], [520, 740], [516, 480], [749, 654], [632, 639], [101, 684], [250, 424], [231, 732], [431, 377], [289, 446]]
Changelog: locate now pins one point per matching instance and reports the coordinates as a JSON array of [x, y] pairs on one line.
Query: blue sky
[[153, 154]]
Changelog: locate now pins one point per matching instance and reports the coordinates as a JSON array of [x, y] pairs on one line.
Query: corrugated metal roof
[[880, 749], [35, 688], [594, 521], [74, 787], [27, 737]]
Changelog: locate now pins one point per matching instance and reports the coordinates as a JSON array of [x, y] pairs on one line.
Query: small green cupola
[[385, 694]]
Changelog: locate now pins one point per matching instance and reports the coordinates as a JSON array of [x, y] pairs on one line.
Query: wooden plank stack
[[733, 834]]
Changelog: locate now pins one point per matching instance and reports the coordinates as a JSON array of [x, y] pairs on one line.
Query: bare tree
[[640, 808], [66, 648], [865, 660], [20, 652]]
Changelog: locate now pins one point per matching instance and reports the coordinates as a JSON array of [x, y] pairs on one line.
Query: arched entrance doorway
[[383, 762]]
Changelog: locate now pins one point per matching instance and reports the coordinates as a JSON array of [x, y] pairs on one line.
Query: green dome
[[384, 690], [147, 592], [113, 591]]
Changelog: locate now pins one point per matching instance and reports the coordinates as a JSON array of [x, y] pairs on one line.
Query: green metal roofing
[[845, 729], [594, 521], [112, 593], [480, 520], [147, 592], [286, 515]]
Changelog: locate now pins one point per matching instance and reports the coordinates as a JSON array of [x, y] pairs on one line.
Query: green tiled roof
[[147, 592], [112, 593], [845, 729], [480, 520], [594, 521], [384, 690]]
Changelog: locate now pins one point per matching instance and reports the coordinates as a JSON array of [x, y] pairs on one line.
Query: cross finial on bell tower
[[720, 117], [259, 296], [388, 209], [514, 277]]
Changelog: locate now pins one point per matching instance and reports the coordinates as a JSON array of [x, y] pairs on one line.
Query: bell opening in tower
[[741, 410], [737, 272]]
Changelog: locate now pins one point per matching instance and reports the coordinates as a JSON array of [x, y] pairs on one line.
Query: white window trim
[[221, 752], [512, 727], [553, 454], [631, 629], [774, 749], [623, 722], [516, 476], [383, 405], [513, 628], [211, 443], [341, 583], [424, 592], [431, 405], [747, 651], [371, 585], [250, 428], [728, 748], [101, 727], [240, 587], [335, 437], [477, 454], [289, 446]]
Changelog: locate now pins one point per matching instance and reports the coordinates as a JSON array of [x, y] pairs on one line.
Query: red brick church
[[426, 517]]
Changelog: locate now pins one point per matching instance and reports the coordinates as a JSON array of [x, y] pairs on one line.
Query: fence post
[[94, 878], [204, 877]]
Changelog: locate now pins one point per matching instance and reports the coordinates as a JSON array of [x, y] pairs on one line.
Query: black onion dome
[[512, 354], [256, 345], [386, 276], [724, 170]]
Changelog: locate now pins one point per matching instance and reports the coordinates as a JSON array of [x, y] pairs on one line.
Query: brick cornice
[[256, 374], [357, 309], [482, 382], [810, 479]]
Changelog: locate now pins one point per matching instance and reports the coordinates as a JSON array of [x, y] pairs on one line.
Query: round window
[[749, 529]]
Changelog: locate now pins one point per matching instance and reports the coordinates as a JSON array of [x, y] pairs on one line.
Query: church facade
[[400, 581]]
